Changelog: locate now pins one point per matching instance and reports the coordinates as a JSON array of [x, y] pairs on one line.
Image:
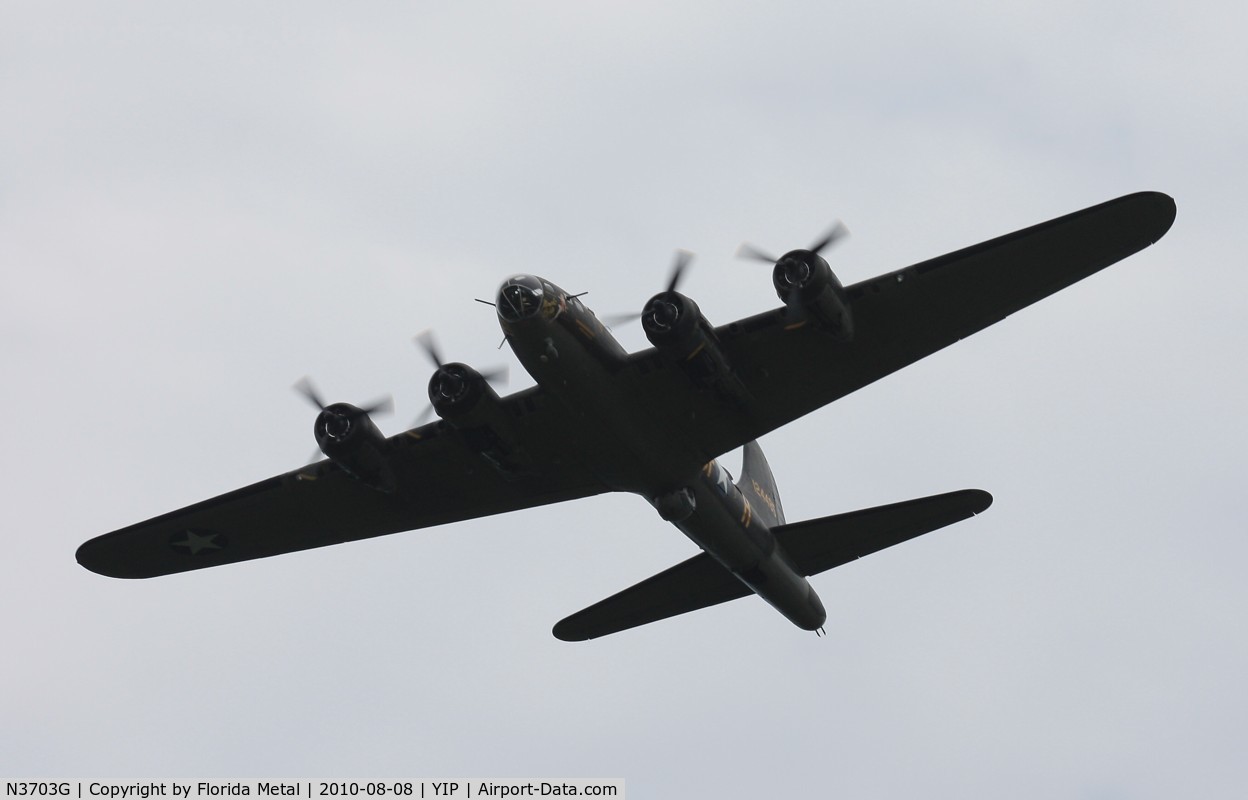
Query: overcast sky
[[201, 203]]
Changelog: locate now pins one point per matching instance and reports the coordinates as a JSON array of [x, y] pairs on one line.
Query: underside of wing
[[440, 478], [697, 583], [788, 370]]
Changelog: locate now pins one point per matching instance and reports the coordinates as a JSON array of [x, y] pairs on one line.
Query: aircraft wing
[[898, 319], [440, 480]]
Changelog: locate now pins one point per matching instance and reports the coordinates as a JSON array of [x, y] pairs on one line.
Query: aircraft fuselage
[[572, 355]]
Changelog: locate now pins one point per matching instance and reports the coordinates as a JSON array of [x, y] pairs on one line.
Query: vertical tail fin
[[759, 486]]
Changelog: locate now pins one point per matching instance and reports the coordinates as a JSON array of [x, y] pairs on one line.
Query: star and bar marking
[[197, 542]]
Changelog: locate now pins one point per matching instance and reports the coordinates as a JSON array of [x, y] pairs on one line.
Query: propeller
[[426, 341], [677, 273], [339, 416], [836, 232], [794, 267], [305, 387], [679, 264]]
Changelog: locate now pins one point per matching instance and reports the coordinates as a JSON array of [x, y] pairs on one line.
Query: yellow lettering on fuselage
[[767, 499]]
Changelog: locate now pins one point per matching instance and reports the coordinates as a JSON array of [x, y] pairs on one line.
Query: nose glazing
[[519, 297]]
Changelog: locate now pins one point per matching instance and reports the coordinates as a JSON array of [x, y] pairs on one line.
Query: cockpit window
[[520, 297]]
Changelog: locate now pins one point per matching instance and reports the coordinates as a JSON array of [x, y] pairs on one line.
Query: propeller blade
[[683, 257], [679, 265], [613, 320], [837, 231], [834, 233], [498, 375], [384, 406], [426, 342], [304, 387], [749, 251]]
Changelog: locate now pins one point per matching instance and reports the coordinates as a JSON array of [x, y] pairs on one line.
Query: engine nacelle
[[674, 324], [465, 400], [805, 282], [349, 438], [461, 396]]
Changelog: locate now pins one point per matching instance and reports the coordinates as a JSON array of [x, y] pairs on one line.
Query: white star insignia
[[196, 543]]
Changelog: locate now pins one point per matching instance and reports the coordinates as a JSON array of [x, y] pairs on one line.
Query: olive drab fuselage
[[572, 355]]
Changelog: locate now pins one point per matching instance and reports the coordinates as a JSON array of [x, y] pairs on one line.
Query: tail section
[[758, 486], [811, 547]]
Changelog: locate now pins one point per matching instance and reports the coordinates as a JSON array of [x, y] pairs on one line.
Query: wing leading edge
[[812, 546]]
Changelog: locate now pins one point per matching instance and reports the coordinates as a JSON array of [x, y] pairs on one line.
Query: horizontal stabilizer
[[817, 545], [697, 583], [812, 546]]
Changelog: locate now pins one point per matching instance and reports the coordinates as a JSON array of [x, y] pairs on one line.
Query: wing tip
[[1162, 209], [566, 630], [977, 500], [88, 558], [94, 556]]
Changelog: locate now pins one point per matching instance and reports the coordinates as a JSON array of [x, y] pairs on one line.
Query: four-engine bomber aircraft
[[653, 423]]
